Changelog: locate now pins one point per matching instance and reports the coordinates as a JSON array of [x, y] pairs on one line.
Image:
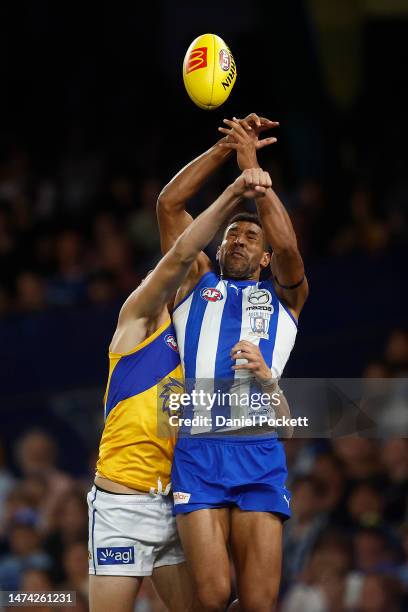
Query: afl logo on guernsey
[[171, 342], [211, 294]]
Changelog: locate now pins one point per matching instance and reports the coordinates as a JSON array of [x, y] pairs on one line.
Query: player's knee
[[213, 596], [258, 601]]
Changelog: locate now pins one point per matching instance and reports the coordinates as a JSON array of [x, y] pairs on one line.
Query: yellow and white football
[[209, 71]]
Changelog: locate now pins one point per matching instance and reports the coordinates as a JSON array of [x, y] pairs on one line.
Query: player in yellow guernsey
[[132, 532]]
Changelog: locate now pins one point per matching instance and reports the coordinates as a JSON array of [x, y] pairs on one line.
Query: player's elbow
[[167, 201], [163, 204]]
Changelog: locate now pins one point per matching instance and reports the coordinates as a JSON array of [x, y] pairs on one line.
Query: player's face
[[258, 325], [242, 253]]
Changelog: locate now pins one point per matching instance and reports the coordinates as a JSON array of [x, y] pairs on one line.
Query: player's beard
[[237, 267]]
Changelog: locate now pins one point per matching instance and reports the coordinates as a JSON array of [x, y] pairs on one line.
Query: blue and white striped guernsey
[[211, 320]]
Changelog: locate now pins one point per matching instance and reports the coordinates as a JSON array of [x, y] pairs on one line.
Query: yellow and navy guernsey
[[136, 449]]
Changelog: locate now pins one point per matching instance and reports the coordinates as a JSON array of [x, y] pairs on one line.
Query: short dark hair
[[245, 216], [250, 218]]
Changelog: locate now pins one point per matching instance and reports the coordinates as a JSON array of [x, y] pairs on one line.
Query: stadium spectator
[[396, 353], [365, 504], [30, 292], [380, 593], [69, 525], [75, 563], [6, 481], [25, 553], [36, 455], [373, 551], [329, 472], [365, 231], [302, 531], [359, 456], [38, 581], [394, 455]]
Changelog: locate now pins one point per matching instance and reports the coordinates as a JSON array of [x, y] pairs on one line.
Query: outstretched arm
[[286, 262], [146, 304], [171, 204]]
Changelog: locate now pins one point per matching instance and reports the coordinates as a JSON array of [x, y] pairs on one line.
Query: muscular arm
[[171, 205], [280, 406], [172, 216], [286, 262], [144, 308]]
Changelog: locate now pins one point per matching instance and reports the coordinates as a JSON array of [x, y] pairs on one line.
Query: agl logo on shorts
[[211, 294], [115, 555]]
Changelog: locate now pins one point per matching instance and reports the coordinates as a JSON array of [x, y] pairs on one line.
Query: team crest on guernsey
[[170, 387], [260, 311], [171, 342], [211, 294]]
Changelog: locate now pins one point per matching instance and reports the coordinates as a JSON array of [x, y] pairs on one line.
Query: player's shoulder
[[267, 284], [210, 277]]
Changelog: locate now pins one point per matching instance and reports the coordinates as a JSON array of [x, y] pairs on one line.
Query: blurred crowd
[[87, 232], [345, 549]]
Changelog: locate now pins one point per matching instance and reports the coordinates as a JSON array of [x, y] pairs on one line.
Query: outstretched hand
[[252, 183], [242, 136]]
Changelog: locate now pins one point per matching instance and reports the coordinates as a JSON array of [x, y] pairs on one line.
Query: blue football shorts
[[249, 473]]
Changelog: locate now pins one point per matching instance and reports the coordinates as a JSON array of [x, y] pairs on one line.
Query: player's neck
[[231, 277]]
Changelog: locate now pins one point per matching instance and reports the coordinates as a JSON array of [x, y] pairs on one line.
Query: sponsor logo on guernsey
[[260, 297], [115, 555], [286, 500], [181, 498], [260, 312], [197, 59], [211, 294], [171, 342], [225, 61], [260, 324]]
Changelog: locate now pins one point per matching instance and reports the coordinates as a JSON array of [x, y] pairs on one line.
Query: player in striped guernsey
[[235, 334], [132, 532]]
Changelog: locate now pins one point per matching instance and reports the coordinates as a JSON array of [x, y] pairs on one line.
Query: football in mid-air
[[209, 71]]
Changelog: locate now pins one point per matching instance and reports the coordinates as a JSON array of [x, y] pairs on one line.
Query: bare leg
[[257, 551], [173, 584], [113, 593], [204, 535]]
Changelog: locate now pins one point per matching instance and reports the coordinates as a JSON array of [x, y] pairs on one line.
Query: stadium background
[[93, 121]]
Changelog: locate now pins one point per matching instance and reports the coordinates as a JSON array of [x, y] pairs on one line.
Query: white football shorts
[[130, 535]]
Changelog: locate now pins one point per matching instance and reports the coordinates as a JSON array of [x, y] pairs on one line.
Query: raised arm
[[144, 307], [171, 204], [286, 262]]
